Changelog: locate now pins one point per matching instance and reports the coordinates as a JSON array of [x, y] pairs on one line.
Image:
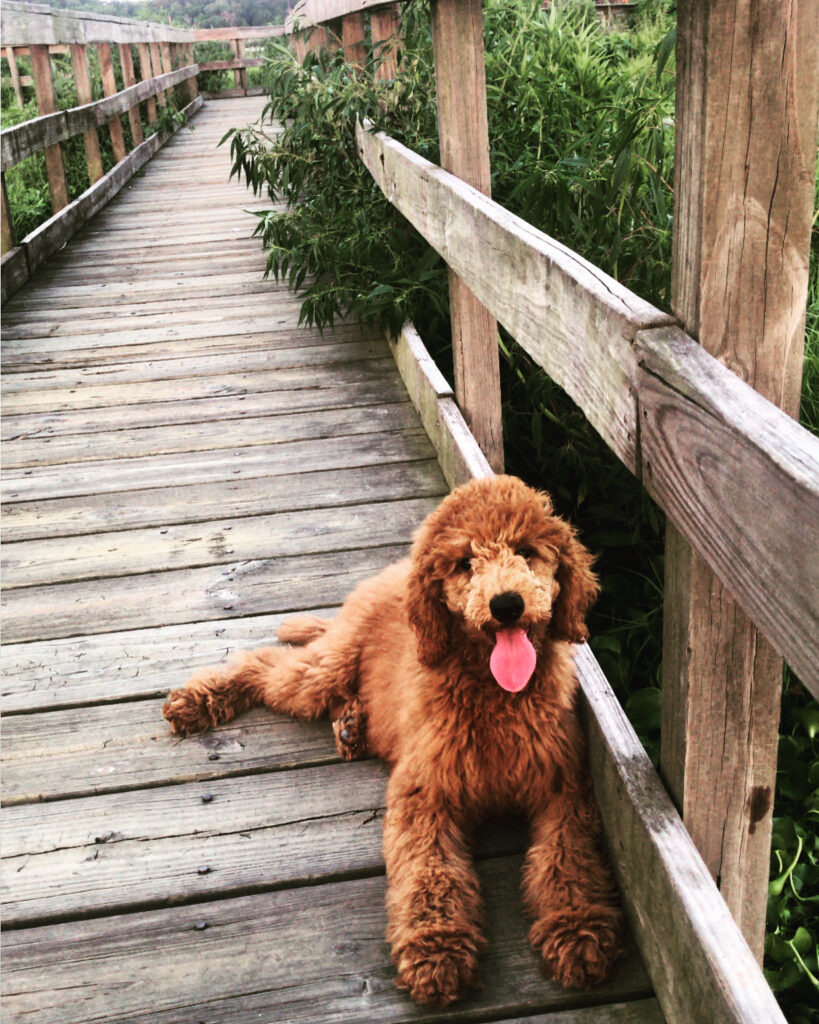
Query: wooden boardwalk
[[183, 467]]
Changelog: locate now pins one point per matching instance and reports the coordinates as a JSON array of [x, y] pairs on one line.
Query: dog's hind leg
[[302, 629], [306, 682]]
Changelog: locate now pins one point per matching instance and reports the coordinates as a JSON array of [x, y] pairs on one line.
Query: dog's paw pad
[[350, 731], [579, 947]]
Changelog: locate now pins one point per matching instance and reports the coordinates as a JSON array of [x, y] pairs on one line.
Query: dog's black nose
[[507, 607]]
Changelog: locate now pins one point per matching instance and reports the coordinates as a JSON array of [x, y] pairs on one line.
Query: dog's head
[[494, 562]]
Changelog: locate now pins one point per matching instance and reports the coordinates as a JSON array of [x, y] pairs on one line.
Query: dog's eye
[[465, 565], [526, 553]]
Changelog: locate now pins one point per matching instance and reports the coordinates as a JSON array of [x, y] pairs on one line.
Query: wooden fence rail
[[165, 61], [236, 38]]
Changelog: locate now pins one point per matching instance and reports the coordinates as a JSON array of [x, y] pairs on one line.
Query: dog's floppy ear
[[426, 609], [578, 586]]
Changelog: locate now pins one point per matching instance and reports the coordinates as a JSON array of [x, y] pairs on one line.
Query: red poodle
[[455, 666]]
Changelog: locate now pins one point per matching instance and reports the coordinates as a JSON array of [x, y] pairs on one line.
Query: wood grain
[[319, 951], [109, 87], [575, 321], [85, 95], [675, 910], [25, 24], [742, 224], [47, 104], [740, 479]]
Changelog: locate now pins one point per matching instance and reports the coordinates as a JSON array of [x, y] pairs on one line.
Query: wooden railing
[[236, 37], [737, 476], [164, 59]]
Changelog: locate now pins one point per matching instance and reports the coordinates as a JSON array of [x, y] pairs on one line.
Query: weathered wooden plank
[[79, 752], [182, 341], [255, 587], [385, 30], [26, 24], [129, 81], [326, 822], [110, 365], [239, 32], [574, 320], [740, 478], [306, 960], [7, 236], [675, 910], [743, 215], [227, 540], [317, 12], [459, 455], [146, 73], [203, 437], [125, 665], [641, 1011], [247, 398], [210, 499], [43, 491]]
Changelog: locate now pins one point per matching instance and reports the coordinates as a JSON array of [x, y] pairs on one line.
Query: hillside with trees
[[213, 14]]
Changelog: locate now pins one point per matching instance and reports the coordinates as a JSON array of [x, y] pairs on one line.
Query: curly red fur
[[404, 668]]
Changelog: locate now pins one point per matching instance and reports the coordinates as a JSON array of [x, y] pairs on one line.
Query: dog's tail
[[302, 629]]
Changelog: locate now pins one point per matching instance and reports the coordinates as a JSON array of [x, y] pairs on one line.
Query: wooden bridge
[[184, 466]]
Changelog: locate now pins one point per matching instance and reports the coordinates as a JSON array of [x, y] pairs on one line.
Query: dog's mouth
[[513, 659]]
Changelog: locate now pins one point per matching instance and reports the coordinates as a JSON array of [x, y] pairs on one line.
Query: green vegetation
[[581, 128]]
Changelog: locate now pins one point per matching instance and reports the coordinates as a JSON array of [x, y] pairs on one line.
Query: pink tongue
[[513, 659]]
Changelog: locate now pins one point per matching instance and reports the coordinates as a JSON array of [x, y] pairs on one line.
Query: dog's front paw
[[579, 945], [199, 705], [438, 969]]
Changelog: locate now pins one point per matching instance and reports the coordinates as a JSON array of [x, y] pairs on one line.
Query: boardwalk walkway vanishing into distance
[[184, 466]]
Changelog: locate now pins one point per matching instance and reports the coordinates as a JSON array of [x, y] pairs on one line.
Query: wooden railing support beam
[[145, 73], [354, 39], [47, 104], [385, 28], [109, 87], [85, 94], [743, 204], [128, 79], [460, 79], [156, 64], [15, 75]]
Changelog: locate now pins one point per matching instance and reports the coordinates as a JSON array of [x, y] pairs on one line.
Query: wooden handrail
[[320, 12], [737, 475], [23, 140], [26, 24]]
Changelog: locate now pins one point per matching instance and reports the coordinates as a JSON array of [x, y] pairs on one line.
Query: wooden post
[[193, 83], [747, 94], [7, 238], [47, 104], [237, 47], [385, 28], [353, 38], [128, 79], [460, 82], [316, 39], [109, 87], [146, 73], [15, 75], [156, 64], [85, 94]]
